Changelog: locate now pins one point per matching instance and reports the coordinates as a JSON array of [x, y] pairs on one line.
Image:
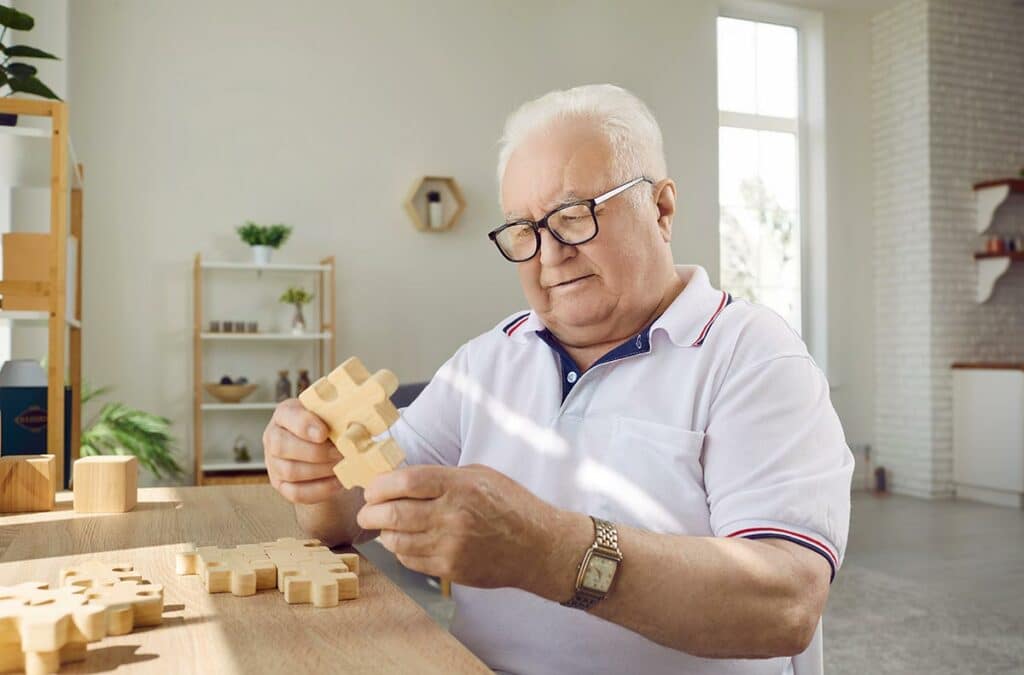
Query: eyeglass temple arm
[[622, 188]]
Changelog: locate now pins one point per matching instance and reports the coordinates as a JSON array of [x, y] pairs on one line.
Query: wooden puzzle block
[[93, 573], [242, 572], [40, 628], [287, 552], [364, 457], [106, 484], [27, 483], [356, 407], [318, 582], [130, 604]]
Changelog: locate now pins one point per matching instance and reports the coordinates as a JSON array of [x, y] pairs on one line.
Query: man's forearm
[[334, 521], [707, 596]]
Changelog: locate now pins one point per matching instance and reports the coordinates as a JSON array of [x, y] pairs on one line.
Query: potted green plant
[[263, 239], [118, 429], [18, 76], [298, 297]]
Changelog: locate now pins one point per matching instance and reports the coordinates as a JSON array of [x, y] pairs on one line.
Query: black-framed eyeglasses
[[572, 224]]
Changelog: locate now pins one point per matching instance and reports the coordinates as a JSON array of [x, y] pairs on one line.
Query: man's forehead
[[566, 196]]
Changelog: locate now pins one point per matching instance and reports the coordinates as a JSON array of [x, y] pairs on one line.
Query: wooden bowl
[[229, 393]]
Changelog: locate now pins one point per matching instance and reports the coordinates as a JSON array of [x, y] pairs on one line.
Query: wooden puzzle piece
[[130, 604], [242, 572], [40, 628], [287, 552], [356, 407], [318, 582], [92, 573], [27, 483], [106, 484], [364, 457], [304, 570]]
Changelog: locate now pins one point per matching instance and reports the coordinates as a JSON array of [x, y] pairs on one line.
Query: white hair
[[631, 130]]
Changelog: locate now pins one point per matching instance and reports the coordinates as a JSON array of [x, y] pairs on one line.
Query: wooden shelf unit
[[66, 186], [220, 473]]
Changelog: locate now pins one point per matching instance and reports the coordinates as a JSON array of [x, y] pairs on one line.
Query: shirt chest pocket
[[652, 475]]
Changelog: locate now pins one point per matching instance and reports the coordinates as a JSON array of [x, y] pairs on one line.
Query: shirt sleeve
[[776, 463], [429, 429]]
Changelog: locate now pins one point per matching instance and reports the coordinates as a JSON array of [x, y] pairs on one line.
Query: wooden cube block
[[26, 257], [106, 484], [27, 483]]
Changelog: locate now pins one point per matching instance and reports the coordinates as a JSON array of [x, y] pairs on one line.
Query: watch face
[[600, 571]]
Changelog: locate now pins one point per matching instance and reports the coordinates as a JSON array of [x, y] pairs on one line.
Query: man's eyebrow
[[570, 197]]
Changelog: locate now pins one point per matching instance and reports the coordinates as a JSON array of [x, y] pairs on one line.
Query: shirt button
[[571, 377]]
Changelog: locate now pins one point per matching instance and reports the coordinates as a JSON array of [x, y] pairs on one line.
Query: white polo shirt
[[714, 421]]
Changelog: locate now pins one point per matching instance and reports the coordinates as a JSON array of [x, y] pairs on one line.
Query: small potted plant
[[17, 76], [298, 297], [263, 239]]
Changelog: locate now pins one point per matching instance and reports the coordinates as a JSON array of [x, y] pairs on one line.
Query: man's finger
[[406, 515], [310, 491], [411, 482], [409, 543], [280, 442], [297, 472], [294, 417]]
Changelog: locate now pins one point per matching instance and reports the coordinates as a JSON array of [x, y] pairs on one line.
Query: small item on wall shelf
[[252, 327], [228, 327], [435, 210], [430, 199], [302, 382], [297, 297], [239, 326], [215, 326], [21, 77], [283, 388], [241, 450], [263, 239]]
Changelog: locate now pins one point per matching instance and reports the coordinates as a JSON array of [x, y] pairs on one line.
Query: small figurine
[[241, 450]]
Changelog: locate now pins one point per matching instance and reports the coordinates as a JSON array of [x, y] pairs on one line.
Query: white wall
[[322, 116], [949, 90]]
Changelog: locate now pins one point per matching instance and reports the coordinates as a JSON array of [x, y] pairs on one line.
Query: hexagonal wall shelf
[[452, 202]]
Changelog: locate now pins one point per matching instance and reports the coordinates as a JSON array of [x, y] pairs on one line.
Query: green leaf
[[25, 51], [32, 85], [15, 20], [21, 71]]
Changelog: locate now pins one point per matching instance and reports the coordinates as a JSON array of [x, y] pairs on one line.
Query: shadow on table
[[104, 659]]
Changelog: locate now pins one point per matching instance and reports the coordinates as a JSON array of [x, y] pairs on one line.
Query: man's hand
[[300, 459], [472, 525]]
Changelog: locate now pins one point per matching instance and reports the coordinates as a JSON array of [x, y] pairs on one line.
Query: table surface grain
[[383, 631]]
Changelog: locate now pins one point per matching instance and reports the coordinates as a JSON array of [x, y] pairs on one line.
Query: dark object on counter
[[226, 380], [283, 388], [302, 382]]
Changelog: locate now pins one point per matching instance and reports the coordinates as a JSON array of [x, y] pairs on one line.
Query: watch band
[[606, 541]]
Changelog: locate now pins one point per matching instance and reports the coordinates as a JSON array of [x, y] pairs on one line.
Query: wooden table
[[382, 631]]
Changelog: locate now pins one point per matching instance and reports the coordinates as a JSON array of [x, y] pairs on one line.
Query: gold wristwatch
[[600, 563]]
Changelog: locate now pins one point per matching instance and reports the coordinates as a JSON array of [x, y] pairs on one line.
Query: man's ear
[[665, 200]]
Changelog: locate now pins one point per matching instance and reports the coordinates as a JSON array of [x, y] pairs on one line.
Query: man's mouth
[[570, 282]]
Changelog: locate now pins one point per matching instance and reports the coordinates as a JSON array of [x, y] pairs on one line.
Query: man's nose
[[552, 251]]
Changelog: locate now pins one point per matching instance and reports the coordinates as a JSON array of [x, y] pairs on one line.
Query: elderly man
[[642, 473]]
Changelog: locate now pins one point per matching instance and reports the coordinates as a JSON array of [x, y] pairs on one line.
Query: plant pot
[[8, 120], [261, 255]]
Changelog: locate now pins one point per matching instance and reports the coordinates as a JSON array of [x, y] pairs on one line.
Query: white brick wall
[[949, 111]]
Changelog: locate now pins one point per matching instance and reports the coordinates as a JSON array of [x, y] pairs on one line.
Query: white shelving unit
[[221, 472], [989, 196]]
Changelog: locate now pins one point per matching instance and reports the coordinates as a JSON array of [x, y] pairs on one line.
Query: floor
[[926, 587]]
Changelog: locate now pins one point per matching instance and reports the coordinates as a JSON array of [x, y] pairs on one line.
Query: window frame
[[809, 128]]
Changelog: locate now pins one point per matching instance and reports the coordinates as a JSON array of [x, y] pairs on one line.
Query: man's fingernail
[[314, 433]]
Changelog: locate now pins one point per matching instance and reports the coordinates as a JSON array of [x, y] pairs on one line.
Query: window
[[759, 103]]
